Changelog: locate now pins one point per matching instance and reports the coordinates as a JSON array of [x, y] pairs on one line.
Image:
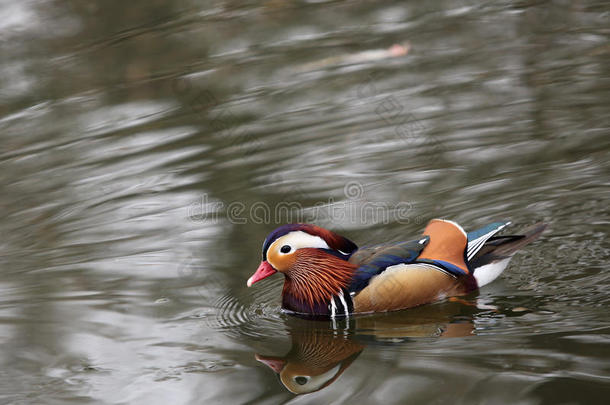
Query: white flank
[[488, 273]]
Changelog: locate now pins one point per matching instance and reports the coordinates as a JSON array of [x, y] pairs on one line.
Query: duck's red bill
[[264, 270]]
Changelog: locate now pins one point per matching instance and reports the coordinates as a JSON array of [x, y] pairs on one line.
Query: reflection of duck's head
[[298, 378], [317, 358]]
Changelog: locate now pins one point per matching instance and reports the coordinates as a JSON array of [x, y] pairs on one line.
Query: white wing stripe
[[473, 249], [475, 245]]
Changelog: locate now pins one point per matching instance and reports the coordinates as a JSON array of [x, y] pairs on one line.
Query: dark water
[[147, 148]]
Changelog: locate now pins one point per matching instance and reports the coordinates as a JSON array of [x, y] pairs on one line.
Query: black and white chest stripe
[[341, 304]]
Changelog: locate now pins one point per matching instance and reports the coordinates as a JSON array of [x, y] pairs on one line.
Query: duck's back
[[437, 270]]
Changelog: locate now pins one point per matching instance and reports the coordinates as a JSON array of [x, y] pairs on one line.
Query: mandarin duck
[[327, 276]]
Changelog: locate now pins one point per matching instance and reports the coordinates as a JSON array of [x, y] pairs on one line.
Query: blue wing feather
[[448, 267], [375, 259]]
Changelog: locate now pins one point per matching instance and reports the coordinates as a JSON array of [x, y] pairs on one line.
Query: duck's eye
[[285, 249], [301, 380]]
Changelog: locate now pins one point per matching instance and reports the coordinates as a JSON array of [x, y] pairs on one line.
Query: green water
[[147, 149]]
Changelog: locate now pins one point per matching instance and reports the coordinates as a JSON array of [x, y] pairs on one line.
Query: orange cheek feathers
[[281, 262]]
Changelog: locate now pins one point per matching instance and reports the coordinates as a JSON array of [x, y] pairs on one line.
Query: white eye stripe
[[299, 239]]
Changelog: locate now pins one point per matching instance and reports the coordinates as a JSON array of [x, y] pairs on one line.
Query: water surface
[[148, 148]]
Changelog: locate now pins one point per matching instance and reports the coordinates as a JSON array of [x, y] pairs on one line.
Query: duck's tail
[[493, 257]]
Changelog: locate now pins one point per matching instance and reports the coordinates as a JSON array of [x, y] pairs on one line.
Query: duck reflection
[[322, 351], [318, 357]]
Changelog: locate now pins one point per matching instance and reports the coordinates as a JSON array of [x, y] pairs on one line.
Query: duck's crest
[[332, 239]]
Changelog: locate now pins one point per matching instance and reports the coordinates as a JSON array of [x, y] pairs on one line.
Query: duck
[[327, 276]]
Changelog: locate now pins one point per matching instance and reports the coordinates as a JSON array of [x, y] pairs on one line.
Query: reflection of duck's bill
[[274, 363]]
